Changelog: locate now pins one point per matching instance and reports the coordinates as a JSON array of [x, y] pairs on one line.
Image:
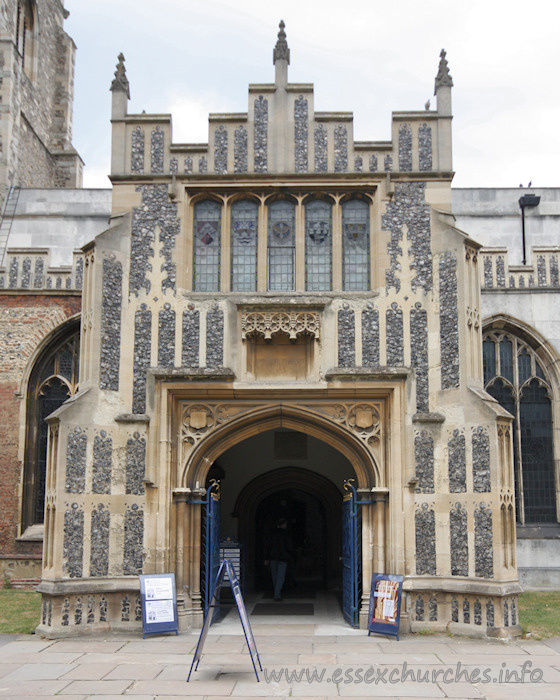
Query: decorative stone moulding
[[268, 323]]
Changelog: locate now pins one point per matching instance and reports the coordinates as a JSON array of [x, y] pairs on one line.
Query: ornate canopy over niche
[[268, 323]]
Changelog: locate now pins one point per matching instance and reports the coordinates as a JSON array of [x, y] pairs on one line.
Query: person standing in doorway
[[279, 552]]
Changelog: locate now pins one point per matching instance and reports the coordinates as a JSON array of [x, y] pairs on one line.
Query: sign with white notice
[[159, 603]]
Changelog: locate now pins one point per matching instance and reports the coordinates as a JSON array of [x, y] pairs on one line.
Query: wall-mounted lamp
[[528, 200]]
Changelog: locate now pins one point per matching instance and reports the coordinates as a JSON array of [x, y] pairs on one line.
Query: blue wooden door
[[211, 542], [350, 556]]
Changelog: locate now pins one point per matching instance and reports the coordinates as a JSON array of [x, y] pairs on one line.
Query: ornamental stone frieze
[[363, 420], [268, 323]]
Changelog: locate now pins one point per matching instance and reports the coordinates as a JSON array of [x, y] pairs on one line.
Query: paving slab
[[42, 688], [39, 671], [90, 671], [181, 688], [102, 687]]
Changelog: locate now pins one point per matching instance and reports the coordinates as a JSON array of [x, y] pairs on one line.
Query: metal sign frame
[[227, 567]]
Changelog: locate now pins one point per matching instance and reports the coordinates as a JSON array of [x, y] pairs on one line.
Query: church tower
[[36, 91]]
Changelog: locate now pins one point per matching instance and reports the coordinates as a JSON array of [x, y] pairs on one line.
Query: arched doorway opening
[[312, 505]]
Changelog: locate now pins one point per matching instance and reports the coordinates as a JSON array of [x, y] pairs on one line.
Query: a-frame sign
[[227, 567]]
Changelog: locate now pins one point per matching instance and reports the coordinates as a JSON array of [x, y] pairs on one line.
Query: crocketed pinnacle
[[120, 81], [443, 78], [281, 51]]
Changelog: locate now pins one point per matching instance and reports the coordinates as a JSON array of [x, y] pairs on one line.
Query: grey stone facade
[[215, 338], [395, 344], [111, 308], [240, 154], [419, 355], [102, 463], [346, 338], [137, 151], [76, 461], [340, 149], [133, 540], [135, 464], [220, 150], [261, 135], [456, 463], [424, 458], [405, 148], [321, 161], [370, 336], [191, 338], [166, 337], [73, 547], [99, 553], [449, 321], [425, 528], [425, 147], [301, 128], [483, 542], [157, 151], [458, 541], [481, 460], [142, 355]]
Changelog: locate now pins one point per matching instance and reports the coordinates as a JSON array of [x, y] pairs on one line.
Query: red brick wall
[[25, 321]]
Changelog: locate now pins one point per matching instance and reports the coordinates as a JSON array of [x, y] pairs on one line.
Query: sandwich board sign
[[385, 604], [226, 567], [159, 603]]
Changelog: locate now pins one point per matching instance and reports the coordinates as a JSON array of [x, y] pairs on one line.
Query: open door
[[351, 556], [210, 543]]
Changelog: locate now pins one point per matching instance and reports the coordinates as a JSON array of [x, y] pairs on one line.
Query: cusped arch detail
[[368, 472]]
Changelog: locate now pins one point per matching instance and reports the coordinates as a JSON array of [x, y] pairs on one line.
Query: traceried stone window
[[318, 245], [207, 243], [514, 376], [355, 245], [53, 379], [244, 234], [281, 246]]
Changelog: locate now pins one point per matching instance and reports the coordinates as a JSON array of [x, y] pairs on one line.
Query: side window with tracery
[[53, 379], [207, 242], [318, 246], [281, 246], [514, 376], [26, 35], [355, 245], [244, 235]]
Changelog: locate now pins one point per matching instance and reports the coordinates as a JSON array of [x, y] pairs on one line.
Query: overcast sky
[[192, 57]]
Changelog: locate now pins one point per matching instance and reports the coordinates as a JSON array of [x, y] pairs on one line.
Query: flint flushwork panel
[[39, 271], [370, 337], [340, 149], [109, 356], [300, 134], [425, 521], [408, 207], [99, 556], [433, 609], [405, 148], [358, 164], [142, 354], [240, 156], [135, 464], [424, 457], [133, 541], [191, 338], [157, 151], [202, 165], [26, 273], [373, 164], [456, 462], [102, 463], [188, 165], [156, 212], [261, 135], [394, 329], [425, 147], [76, 461], [481, 460], [220, 150], [449, 321], [321, 160], [215, 338], [419, 355], [14, 271], [73, 546], [137, 151], [166, 337], [483, 545], [388, 164], [458, 541], [346, 338], [173, 166]]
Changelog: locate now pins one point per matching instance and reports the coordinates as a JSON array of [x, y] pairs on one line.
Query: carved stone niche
[[280, 345]]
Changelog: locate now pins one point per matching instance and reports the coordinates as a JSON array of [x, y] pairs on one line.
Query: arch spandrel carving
[[356, 429]]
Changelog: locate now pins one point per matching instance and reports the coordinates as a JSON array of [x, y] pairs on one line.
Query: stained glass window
[[355, 245], [518, 382], [244, 234], [318, 246], [207, 241], [281, 246]]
